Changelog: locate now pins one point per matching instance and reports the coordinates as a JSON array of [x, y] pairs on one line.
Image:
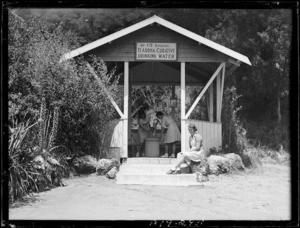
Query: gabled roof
[[163, 22]]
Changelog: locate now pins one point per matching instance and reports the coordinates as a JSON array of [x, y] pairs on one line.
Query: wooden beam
[[198, 70], [105, 90], [234, 62], [222, 90], [204, 90], [230, 71], [182, 98], [125, 117]]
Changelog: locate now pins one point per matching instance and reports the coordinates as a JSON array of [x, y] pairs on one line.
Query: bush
[[20, 155], [35, 49], [72, 107]]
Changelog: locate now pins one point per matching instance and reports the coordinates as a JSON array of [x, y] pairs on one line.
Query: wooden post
[[125, 118], [222, 91], [211, 103], [218, 88], [129, 112], [182, 97]]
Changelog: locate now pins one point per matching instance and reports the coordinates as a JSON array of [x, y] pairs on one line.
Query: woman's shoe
[[164, 156], [171, 171], [172, 156]]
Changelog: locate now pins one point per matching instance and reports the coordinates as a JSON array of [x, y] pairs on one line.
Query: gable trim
[[163, 22]]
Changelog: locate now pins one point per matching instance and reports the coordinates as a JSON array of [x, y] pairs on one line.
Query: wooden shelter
[[156, 51]]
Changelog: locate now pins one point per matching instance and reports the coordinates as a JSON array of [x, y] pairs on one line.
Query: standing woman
[[196, 152], [144, 130], [172, 133]]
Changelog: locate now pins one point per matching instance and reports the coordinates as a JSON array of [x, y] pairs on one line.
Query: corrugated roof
[[163, 22]]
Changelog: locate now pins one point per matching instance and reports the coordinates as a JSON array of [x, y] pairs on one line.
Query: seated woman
[[196, 152], [172, 133], [144, 130]]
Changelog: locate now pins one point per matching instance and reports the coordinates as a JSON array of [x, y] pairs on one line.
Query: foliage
[[73, 110], [21, 172], [35, 48]]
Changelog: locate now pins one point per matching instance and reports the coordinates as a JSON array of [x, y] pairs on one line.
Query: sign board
[[156, 51]]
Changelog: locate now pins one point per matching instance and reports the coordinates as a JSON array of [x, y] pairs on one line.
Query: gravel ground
[[263, 193]]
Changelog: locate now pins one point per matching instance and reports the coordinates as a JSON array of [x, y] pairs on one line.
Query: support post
[[125, 118], [211, 103], [182, 98], [222, 91], [129, 112], [218, 88]]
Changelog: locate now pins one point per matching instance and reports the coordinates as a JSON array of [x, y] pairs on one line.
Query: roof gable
[[163, 22]]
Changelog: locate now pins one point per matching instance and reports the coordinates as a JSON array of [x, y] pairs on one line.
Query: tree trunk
[[278, 108]]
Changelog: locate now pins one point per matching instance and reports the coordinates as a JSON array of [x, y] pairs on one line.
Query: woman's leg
[[173, 145], [181, 160], [166, 151]]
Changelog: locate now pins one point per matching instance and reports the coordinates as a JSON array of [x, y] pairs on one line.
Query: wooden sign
[[156, 51]]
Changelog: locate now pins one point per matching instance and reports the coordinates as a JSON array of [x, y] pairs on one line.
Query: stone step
[[145, 160], [157, 179], [145, 168]]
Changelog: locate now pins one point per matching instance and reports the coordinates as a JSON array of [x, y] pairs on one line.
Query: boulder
[[105, 165], [85, 165], [235, 161], [111, 174], [200, 167], [218, 165]]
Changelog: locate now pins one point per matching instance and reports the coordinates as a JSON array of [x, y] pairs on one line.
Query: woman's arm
[[198, 143], [142, 125]]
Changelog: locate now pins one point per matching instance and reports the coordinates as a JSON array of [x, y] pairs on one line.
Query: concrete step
[[158, 179], [145, 160], [152, 171], [145, 168]]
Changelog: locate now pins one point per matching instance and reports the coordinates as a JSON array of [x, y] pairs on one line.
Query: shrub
[[20, 155]]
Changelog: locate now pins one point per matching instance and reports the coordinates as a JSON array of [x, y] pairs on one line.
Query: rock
[[111, 174], [39, 163], [218, 164], [201, 167], [201, 178], [235, 161], [105, 165], [85, 165], [250, 158]]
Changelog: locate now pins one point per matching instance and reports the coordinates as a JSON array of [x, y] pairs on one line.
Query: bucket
[[114, 152], [152, 147]]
